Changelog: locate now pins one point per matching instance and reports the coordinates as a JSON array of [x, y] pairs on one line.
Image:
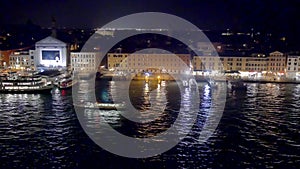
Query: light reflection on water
[[259, 129]]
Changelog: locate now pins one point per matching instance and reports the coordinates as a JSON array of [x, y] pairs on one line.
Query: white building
[[51, 52], [207, 64], [85, 61], [277, 63], [155, 63], [22, 60], [293, 67]]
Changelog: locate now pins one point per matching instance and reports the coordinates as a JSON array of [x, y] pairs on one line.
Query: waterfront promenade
[[205, 78]]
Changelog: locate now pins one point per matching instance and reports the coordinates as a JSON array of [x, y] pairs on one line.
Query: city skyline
[[278, 19], [190, 85], [215, 15]]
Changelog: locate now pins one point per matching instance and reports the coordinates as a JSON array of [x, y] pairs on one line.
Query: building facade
[[277, 63], [116, 60], [274, 65], [155, 63], [293, 68], [22, 60], [51, 52], [84, 61], [231, 63], [207, 63], [254, 65]]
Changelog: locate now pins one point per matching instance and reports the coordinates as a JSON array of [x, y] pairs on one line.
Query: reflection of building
[[156, 63], [23, 59], [51, 52], [84, 61], [293, 66]]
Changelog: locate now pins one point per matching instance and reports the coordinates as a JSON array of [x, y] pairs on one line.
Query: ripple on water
[[259, 129]]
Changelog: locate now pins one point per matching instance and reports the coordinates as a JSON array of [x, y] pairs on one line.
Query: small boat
[[65, 81], [237, 85], [101, 106]]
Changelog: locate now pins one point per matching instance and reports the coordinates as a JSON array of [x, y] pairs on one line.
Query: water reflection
[[259, 129], [34, 124]]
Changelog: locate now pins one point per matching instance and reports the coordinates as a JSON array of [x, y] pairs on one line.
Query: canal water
[[259, 129]]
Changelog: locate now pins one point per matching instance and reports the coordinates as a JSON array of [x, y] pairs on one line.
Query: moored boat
[[237, 85], [25, 82], [65, 81], [101, 106]]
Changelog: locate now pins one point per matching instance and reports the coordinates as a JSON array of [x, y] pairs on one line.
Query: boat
[[25, 82], [101, 106], [237, 85], [65, 81]]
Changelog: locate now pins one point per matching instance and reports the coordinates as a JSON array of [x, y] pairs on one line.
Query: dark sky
[[209, 14]]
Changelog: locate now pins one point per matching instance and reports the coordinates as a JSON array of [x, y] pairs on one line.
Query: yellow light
[[158, 77], [146, 79]]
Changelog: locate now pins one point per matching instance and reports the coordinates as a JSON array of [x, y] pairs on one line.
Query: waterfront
[[259, 129]]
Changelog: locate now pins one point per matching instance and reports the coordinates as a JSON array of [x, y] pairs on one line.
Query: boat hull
[[30, 91], [69, 86], [101, 106]]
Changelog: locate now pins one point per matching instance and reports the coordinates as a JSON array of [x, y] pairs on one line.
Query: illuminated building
[[22, 60], [277, 63], [84, 61], [114, 60], [293, 68], [254, 65], [51, 52], [5, 55], [233, 63], [155, 63], [1, 59], [208, 64]]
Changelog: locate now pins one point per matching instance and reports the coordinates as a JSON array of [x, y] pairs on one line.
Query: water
[[258, 129]]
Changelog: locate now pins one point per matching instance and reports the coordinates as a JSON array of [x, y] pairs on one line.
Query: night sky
[[278, 16]]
